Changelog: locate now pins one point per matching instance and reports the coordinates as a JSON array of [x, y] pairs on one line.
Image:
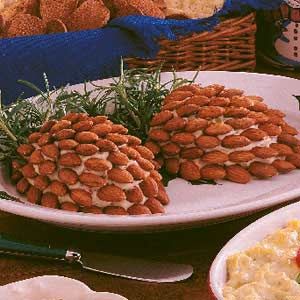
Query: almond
[[49, 200], [162, 195], [41, 182], [47, 126], [178, 96], [207, 142], [218, 88], [72, 117], [16, 165], [275, 112], [145, 164], [50, 150], [176, 123], [219, 101], [64, 134], [97, 164], [155, 175], [283, 166], [22, 185], [294, 159], [172, 165], [34, 137], [259, 106], [161, 118], [115, 210], [236, 112], [183, 138], [210, 112], [255, 98], [92, 210], [187, 110], [144, 152], [44, 139], [198, 100], [47, 167], [36, 157], [173, 105], [208, 91], [25, 149], [28, 171], [99, 119], [136, 171], [189, 171], [241, 123], [153, 147], [86, 149], [130, 152], [231, 92], [106, 145], [155, 206], [117, 138], [235, 141], [62, 124], [86, 137], [133, 140], [194, 88], [240, 101], [111, 193], [241, 156], [135, 195], [276, 120], [102, 129], [218, 129], [191, 153], [254, 134], [81, 197], [264, 152], [118, 128], [58, 188], [282, 149], [213, 172], [262, 170], [16, 176], [171, 149], [67, 144], [70, 160], [118, 158], [138, 209], [68, 176], [215, 157], [83, 125], [259, 117], [33, 195], [149, 187], [296, 149], [237, 174], [288, 139], [159, 135], [69, 206], [289, 129], [119, 175], [92, 180], [195, 125], [270, 129]]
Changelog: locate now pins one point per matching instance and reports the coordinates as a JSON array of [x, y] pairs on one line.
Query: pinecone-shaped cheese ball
[[89, 164], [217, 133]]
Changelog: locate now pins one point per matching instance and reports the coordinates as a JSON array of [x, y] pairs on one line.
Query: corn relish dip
[[267, 271]]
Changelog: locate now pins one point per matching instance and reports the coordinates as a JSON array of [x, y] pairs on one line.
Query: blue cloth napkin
[[95, 54]]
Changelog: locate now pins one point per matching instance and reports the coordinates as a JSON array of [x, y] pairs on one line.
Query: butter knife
[[131, 268]]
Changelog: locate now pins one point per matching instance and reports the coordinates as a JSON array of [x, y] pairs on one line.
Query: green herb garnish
[[6, 196]]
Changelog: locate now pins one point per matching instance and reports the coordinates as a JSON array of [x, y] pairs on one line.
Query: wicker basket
[[230, 46]]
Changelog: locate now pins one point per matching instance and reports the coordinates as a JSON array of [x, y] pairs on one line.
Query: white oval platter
[[52, 288], [192, 205], [246, 238]]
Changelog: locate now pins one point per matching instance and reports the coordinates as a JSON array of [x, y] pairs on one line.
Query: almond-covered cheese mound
[[89, 164], [217, 133]]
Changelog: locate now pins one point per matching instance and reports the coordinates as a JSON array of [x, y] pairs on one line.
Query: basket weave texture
[[230, 46]]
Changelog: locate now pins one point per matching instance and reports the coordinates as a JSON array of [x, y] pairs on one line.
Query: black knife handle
[[8, 246]]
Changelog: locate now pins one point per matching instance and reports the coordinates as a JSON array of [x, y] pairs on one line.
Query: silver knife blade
[[135, 268]]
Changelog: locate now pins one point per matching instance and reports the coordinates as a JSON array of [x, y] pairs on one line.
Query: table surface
[[194, 246]]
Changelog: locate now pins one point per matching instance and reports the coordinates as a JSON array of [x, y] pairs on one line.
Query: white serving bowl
[[52, 288], [246, 238]]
